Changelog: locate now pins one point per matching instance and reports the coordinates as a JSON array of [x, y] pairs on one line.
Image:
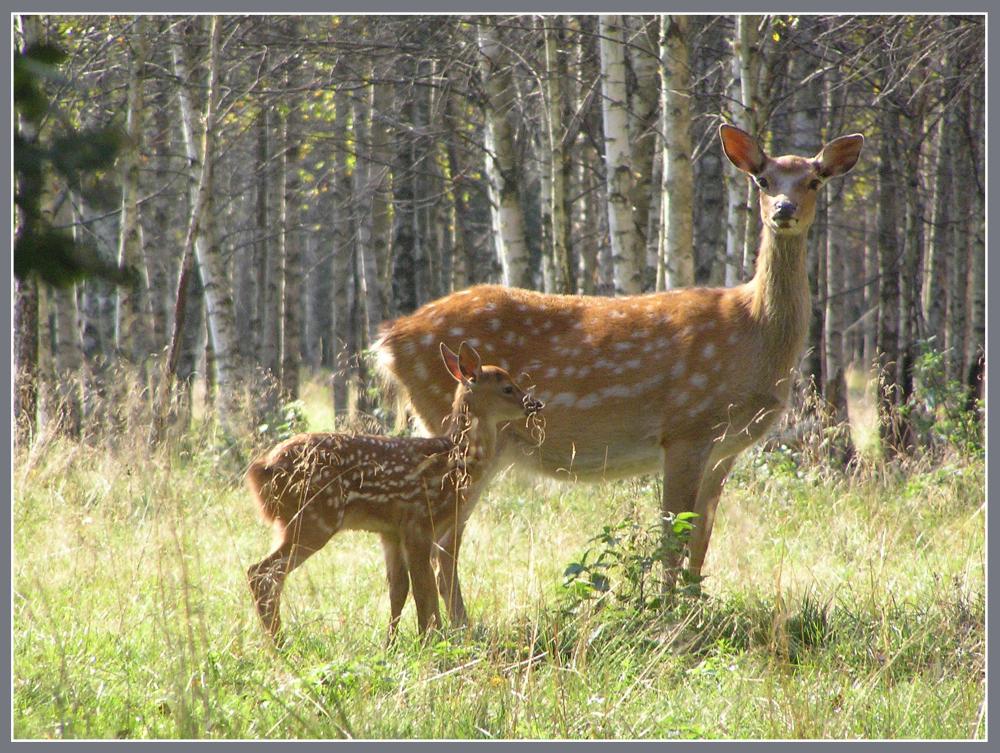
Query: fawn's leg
[[417, 547], [446, 552], [305, 535], [683, 468], [399, 579]]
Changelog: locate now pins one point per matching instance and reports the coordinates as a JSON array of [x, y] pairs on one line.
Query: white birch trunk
[[678, 179], [502, 171], [218, 293], [626, 250]]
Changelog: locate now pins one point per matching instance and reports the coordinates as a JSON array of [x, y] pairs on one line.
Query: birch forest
[[285, 184]]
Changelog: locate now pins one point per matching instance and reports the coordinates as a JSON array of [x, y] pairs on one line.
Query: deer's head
[[487, 390], [788, 186]]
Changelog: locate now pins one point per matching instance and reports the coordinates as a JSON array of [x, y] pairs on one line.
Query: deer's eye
[[761, 182], [815, 184], [508, 390]]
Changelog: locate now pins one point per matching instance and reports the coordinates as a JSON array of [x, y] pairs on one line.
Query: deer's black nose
[[784, 210]]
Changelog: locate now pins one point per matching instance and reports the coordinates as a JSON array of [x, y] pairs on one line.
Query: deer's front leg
[[683, 469], [708, 499]]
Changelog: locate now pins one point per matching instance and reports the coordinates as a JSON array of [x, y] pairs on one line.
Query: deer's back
[[370, 482]]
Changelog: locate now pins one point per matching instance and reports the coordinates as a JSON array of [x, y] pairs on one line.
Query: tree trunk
[[678, 179], [627, 250], [558, 234], [641, 52], [748, 58], [503, 173], [133, 316], [218, 294], [291, 237], [343, 254], [887, 332], [25, 358]]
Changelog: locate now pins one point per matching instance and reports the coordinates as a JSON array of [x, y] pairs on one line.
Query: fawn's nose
[[531, 405], [784, 210]]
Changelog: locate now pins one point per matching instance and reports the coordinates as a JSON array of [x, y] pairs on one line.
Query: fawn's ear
[[742, 149], [469, 362], [839, 156], [451, 363]]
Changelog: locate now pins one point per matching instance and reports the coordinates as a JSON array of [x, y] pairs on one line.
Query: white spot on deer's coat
[[504, 364], [678, 369], [623, 345], [494, 324], [588, 401], [546, 325], [616, 390], [551, 372], [733, 338], [699, 380], [709, 350], [475, 342], [617, 314], [584, 370], [456, 331], [563, 398], [509, 337], [681, 397], [569, 371], [633, 363], [420, 370], [544, 395], [428, 339]]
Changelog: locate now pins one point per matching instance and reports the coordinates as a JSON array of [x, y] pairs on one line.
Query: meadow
[[836, 605]]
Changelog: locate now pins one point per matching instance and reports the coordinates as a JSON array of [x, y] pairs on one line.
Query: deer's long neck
[[780, 296]]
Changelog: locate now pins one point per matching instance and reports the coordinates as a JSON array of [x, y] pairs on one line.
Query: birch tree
[[502, 170], [627, 252], [678, 180]]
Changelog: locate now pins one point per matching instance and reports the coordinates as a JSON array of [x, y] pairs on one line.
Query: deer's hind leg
[[302, 537], [398, 577]]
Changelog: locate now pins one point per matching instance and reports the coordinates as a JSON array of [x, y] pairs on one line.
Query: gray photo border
[[503, 6]]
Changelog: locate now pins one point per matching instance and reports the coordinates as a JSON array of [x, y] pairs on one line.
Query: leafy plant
[[938, 406], [620, 569]]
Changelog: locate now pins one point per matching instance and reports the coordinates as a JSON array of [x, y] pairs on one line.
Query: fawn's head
[[487, 390], [788, 185]]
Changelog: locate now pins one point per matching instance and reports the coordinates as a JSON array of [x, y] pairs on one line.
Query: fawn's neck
[[474, 440], [779, 296]]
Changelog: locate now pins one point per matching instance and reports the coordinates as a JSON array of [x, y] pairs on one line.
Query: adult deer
[[410, 491], [682, 380]]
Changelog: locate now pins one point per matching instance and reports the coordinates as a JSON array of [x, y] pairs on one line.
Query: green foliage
[[288, 420], [619, 569], [41, 147], [937, 408]]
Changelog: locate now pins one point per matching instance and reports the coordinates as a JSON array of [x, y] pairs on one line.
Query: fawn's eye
[[816, 183], [508, 390], [761, 182]]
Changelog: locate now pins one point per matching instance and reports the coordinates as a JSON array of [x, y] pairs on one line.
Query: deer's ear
[[451, 363], [839, 156], [469, 362], [742, 149]]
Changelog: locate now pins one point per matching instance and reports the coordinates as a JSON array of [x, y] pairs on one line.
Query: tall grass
[[836, 606]]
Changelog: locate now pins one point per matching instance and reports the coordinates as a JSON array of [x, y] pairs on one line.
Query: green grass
[[834, 608]]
